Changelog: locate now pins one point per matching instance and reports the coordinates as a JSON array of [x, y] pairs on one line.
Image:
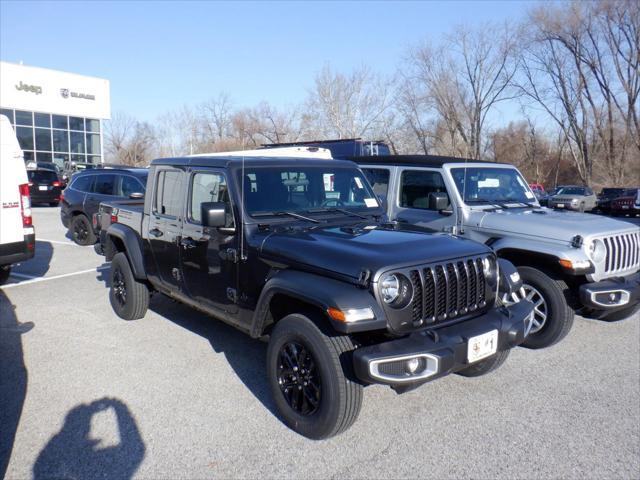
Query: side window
[[129, 185], [168, 193], [416, 186], [208, 187], [379, 180], [104, 184], [83, 184]]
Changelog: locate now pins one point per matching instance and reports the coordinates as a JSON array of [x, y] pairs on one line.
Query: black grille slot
[[416, 303], [473, 284], [452, 290], [481, 282], [463, 291], [441, 291], [429, 294]]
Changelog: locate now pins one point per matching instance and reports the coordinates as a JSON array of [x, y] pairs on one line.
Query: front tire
[[310, 375], [485, 366], [82, 231], [553, 317], [5, 271], [128, 297]]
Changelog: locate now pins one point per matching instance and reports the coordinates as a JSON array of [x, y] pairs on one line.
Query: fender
[[321, 292], [132, 248], [533, 248]]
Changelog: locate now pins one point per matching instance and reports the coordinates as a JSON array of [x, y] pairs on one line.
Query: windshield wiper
[[335, 209], [489, 202], [282, 214], [528, 204]]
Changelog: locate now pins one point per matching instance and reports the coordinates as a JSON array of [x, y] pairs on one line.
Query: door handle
[[155, 232], [188, 243]]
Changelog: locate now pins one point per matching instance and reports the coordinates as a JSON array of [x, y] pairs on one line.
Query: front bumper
[[445, 349], [18, 251], [611, 299], [565, 206]]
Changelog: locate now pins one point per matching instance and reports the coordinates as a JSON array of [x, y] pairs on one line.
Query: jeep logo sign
[[37, 89]]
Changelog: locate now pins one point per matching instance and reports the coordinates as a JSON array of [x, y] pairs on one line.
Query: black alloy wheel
[[119, 287], [299, 379]]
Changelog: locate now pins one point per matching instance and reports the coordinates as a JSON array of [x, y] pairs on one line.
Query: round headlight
[[597, 251], [390, 288]]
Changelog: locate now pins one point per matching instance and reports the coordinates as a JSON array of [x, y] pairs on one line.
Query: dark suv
[[44, 186], [81, 199]]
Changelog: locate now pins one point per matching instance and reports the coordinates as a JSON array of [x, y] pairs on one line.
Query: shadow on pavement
[[245, 355], [73, 453], [13, 377], [37, 266]]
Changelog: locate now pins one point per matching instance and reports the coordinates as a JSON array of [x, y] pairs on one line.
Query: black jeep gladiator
[[297, 251]]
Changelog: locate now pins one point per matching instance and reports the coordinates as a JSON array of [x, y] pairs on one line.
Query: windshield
[[304, 189], [571, 191], [491, 185]]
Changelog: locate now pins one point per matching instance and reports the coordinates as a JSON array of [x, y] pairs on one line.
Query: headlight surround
[[396, 290], [597, 250]]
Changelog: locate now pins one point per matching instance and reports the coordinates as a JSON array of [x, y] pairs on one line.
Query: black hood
[[349, 250]]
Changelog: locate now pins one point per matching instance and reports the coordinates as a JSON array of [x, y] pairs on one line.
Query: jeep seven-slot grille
[[447, 290], [623, 252]]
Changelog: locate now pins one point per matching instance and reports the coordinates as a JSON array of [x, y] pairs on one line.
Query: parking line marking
[[34, 279]]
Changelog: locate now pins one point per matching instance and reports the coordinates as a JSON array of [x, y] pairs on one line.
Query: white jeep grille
[[623, 252]]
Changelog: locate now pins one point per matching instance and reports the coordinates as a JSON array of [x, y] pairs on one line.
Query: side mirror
[[136, 196], [213, 214], [438, 201]]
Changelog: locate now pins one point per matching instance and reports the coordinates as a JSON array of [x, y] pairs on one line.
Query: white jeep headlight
[[389, 288], [597, 250]]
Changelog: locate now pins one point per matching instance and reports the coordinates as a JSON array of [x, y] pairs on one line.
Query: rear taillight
[[25, 205], [56, 184], [114, 215]]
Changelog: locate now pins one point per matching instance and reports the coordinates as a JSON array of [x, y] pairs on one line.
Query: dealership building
[[57, 115]]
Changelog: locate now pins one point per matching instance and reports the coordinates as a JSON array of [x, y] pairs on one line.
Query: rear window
[[104, 184], [40, 176]]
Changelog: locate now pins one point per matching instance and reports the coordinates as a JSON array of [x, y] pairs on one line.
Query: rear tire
[[326, 401], [485, 366], [82, 230], [129, 298], [558, 314], [5, 271]]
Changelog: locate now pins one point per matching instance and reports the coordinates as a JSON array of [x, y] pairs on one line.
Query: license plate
[[43, 187], [482, 346], [625, 207], [560, 205]]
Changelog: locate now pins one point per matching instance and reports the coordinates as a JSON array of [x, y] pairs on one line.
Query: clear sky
[[160, 55]]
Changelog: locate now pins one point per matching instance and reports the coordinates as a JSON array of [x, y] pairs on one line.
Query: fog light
[[412, 365]]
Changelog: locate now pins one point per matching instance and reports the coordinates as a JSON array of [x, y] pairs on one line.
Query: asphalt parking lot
[[84, 394]]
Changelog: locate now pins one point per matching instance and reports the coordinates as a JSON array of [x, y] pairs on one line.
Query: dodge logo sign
[[64, 92]]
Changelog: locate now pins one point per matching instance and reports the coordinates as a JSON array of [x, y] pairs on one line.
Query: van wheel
[[128, 297], [485, 366], [552, 316], [82, 231], [5, 271], [309, 372]]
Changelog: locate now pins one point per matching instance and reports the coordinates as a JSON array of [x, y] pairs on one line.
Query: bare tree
[[128, 141]]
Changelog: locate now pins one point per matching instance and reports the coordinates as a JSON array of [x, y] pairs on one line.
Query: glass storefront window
[[76, 123], [42, 120], [60, 121], [43, 156], [93, 143], [60, 141], [60, 159], [93, 158], [7, 113], [43, 139], [77, 158], [24, 118], [93, 125], [25, 137], [28, 156], [76, 142]]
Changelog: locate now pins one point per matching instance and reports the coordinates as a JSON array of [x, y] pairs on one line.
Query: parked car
[[17, 235], [581, 199], [81, 199], [629, 204], [607, 195], [568, 261], [44, 186], [538, 190], [295, 250]]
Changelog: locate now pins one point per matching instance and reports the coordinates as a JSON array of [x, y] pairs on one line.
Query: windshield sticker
[[370, 202], [358, 182], [489, 183], [529, 195]]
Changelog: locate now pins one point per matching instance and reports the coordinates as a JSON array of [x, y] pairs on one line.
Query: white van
[[17, 235]]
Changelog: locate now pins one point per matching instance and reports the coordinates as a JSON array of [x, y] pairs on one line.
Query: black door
[[208, 255], [165, 223]]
